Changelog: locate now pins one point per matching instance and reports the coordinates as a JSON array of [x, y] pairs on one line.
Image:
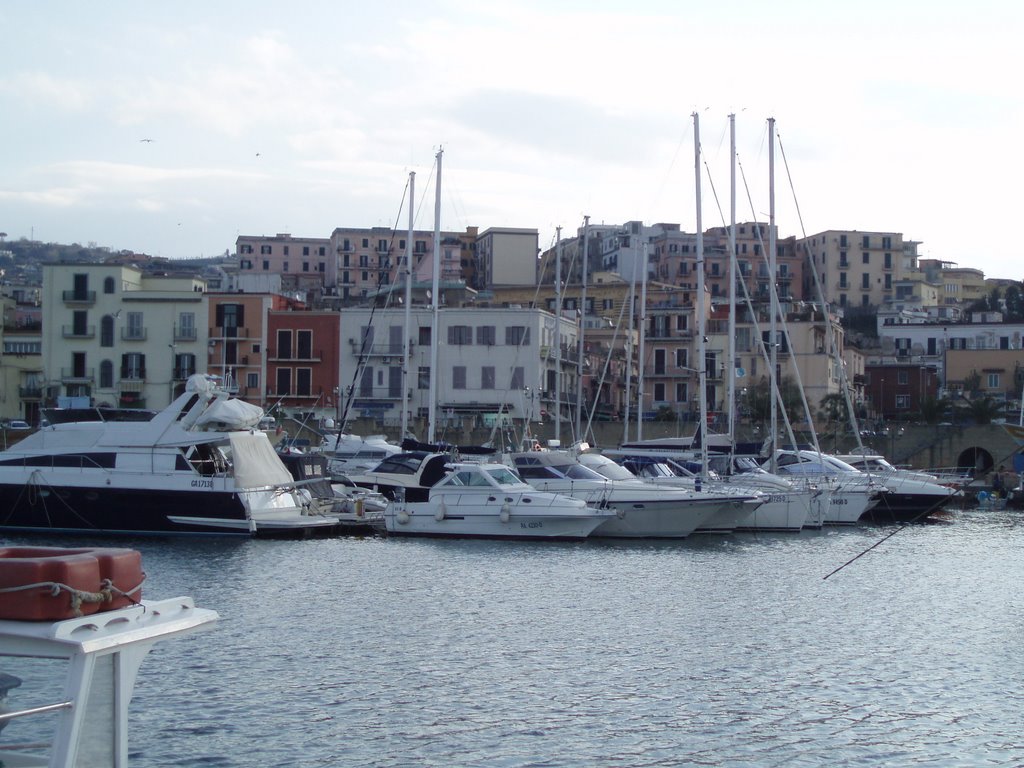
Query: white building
[[507, 256], [490, 361], [119, 336]]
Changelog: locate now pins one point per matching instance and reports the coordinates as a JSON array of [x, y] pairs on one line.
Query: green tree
[[984, 409], [758, 402], [933, 410]]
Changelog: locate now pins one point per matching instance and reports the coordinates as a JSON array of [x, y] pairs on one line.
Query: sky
[[173, 128]]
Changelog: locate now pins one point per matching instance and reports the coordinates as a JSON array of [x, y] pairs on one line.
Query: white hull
[[659, 520], [487, 521]]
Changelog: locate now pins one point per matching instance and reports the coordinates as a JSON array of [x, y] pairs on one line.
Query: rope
[[79, 597]]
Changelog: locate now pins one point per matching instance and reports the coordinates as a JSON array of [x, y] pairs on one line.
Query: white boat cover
[[256, 465], [230, 414]]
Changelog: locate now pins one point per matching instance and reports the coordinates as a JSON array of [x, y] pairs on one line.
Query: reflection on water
[[719, 650]]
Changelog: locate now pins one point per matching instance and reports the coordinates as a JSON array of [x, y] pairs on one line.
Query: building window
[[134, 331], [305, 266], [993, 381], [423, 336], [107, 331], [321, 251], [305, 250], [517, 335], [284, 381], [184, 366], [423, 377], [866, 257], [485, 335], [284, 267], [659, 392], [902, 402], [304, 344], [106, 375], [108, 285], [518, 378], [265, 249], [186, 326], [487, 377], [902, 377], [865, 280], [252, 381], [459, 377], [284, 250], [266, 265], [133, 366], [460, 335], [681, 392], [304, 382], [284, 344]]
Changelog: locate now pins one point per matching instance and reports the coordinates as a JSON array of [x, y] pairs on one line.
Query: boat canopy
[[255, 462]]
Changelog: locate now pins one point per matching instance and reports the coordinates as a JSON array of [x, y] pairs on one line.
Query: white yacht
[[433, 494], [197, 467], [642, 510], [787, 507], [352, 453], [851, 493], [728, 519]]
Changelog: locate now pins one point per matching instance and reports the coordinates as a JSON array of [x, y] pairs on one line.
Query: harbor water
[[715, 651]]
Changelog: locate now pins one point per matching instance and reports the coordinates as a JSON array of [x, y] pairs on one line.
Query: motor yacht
[[434, 494], [197, 467], [642, 510], [909, 495]]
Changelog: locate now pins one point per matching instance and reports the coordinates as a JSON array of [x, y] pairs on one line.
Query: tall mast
[[643, 334], [702, 376], [629, 343], [558, 333], [407, 342], [436, 286], [730, 363], [579, 344], [772, 336]]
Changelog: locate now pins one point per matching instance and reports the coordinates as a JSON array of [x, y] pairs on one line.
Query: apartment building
[[22, 379], [491, 362], [237, 337], [304, 263], [303, 349], [119, 336], [507, 256], [856, 269]]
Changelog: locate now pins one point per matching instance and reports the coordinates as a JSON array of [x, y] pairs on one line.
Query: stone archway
[[976, 460]]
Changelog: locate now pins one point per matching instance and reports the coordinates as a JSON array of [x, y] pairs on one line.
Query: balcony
[[229, 333], [71, 332], [373, 350], [131, 385], [79, 297], [275, 395], [185, 334], [30, 393], [77, 375], [133, 334], [306, 356]]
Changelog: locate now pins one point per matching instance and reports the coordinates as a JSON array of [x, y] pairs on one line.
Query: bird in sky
[[146, 141]]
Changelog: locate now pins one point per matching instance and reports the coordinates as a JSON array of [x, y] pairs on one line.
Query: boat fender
[[505, 513], [359, 507], [620, 513], [403, 517], [441, 512]]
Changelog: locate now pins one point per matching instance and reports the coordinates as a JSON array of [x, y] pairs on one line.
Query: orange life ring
[[54, 583]]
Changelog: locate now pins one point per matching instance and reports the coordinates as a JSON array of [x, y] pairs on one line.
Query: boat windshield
[[504, 476], [579, 472], [613, 471]]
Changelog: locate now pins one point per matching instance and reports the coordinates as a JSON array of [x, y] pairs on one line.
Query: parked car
[[17, 425]]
